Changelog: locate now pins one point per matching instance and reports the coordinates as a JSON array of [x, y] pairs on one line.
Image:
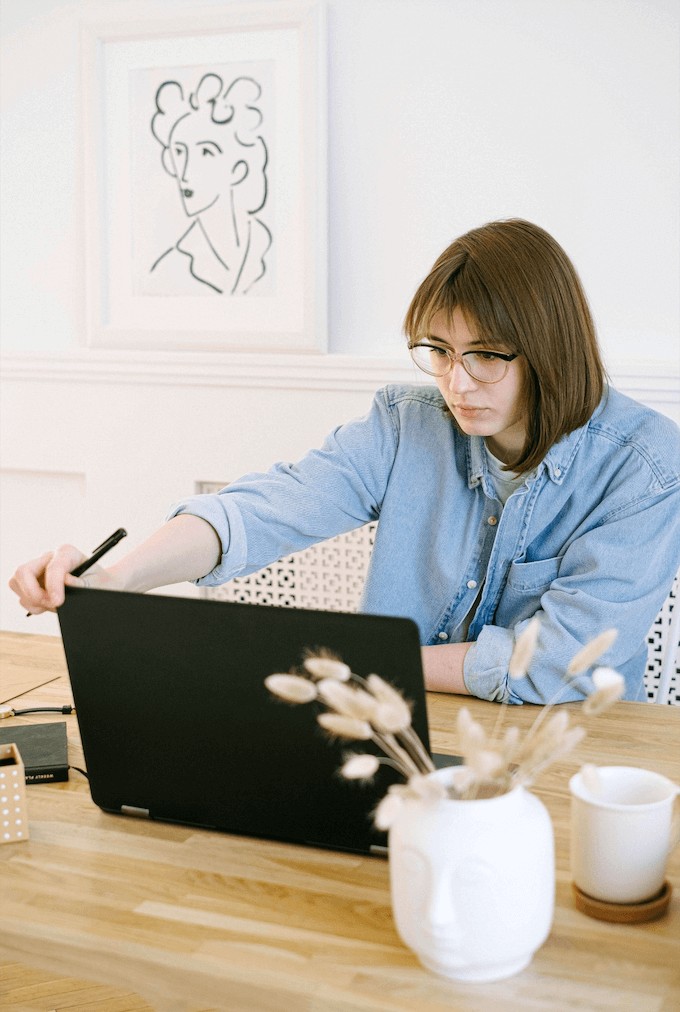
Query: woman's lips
[[467, 411]]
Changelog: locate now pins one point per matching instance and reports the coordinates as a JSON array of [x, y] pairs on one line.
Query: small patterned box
[[13, 814]]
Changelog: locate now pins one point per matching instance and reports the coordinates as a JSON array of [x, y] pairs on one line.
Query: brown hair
[[518, 289]]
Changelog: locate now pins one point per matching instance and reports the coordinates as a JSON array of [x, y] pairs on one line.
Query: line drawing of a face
[[200, 152], [212, 145]]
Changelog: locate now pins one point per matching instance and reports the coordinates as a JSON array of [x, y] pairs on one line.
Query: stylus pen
[[98, 552], [105, 547]]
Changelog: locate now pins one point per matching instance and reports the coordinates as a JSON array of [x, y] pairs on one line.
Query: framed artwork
[[205, 179]]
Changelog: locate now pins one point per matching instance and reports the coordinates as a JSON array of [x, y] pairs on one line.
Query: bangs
[[446, 290]]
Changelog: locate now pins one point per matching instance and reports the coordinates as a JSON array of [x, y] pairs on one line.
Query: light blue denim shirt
[[591, 540]]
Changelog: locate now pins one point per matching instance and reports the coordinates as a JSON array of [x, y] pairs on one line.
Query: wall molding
[[653, 383]]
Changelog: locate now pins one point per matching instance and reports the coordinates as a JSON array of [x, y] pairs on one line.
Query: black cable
[[45, 709]]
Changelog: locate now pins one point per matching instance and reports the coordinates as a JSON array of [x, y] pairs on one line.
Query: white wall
[[442, 114]]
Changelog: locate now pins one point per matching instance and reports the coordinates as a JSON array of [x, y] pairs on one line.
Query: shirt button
[[492, 521], [472, 584], [558, 472], [443, 636]]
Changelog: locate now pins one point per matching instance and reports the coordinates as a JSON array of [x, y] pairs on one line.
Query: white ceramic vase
[[473, 882]]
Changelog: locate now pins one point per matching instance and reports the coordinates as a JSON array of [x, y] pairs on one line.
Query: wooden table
[[203, 920]]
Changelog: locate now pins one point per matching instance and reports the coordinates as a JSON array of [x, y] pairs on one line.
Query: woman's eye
[[207, 151], [486, 356], [438, 352]]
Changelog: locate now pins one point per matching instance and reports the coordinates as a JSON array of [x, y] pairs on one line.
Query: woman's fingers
[[63, 560], [39, 584]]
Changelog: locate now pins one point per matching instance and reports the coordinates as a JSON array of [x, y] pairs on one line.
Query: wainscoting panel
[[37, 507]]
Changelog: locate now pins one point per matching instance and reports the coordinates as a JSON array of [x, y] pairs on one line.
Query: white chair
[[663, 659]]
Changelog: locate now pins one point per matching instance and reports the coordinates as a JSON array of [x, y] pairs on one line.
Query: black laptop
[[177, 724]]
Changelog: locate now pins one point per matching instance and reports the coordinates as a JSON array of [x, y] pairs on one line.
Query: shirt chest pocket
[[533, 576], [526, 583]]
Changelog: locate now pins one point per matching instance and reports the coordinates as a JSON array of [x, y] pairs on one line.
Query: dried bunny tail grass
[[388, 810], [383, 691], [486, 764], [391, 717], [520, 662], [525, 647], [541, 740], [463, 783], [292, 688], [327, 667], [345, 727], [591, 652], [607, 678], [360, 766], [527, 771], [472, 735], [509, 745], [426, 788], [348, 701], [609, 688]]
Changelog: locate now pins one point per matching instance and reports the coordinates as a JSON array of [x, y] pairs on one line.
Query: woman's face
[[495, 411], [203, 157]]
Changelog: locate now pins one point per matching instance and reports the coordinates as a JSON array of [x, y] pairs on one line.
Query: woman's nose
[[458, 378]]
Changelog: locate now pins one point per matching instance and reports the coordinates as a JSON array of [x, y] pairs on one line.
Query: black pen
[[96, 555], [98, 552]]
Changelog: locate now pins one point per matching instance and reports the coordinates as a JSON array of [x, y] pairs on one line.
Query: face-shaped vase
[[473, 882]]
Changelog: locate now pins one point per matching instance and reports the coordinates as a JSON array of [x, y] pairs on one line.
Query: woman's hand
[[40, 584], [185, 548]]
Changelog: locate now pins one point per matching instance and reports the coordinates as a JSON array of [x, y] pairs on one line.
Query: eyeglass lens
[[482, 366]]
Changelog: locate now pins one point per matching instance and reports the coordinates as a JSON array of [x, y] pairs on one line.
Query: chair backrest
[[662, 677], [330, 576]]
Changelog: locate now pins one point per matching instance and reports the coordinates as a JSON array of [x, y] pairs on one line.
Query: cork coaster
[[624, 913]]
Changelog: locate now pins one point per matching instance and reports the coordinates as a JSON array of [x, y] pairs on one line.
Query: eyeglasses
[[483, 366]]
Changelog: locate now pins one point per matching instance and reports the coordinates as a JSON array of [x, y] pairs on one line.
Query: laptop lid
[[177, 724]]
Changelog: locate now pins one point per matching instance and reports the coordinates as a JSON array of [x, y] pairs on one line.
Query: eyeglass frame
[[454, 356]]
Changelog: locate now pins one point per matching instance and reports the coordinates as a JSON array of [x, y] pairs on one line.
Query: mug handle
[[675, 821]]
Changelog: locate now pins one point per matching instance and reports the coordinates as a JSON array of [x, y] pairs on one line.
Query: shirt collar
[[556, 462]]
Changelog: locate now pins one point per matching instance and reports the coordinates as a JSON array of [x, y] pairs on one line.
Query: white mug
[[621, 832]]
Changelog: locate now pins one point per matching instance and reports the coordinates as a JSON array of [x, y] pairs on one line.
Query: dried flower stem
[[417, 749], [389, 744]]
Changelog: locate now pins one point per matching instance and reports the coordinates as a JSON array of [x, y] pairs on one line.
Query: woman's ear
[[167, 162], [238, 173]]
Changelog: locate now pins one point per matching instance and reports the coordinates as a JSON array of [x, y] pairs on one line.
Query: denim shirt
[[589, 541]]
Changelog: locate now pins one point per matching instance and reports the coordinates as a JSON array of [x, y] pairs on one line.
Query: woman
[[520, 485]]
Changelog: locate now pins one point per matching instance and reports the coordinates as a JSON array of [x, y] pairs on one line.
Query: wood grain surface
[[105, 912]]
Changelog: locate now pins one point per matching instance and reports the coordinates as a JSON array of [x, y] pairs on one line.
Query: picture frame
[[205, 179]]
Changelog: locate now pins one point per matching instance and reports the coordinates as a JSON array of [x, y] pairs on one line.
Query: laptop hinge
[[140, 813], [378, 851]]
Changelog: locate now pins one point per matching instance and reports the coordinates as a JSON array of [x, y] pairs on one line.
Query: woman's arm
[[185, 548], [443, 667]]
